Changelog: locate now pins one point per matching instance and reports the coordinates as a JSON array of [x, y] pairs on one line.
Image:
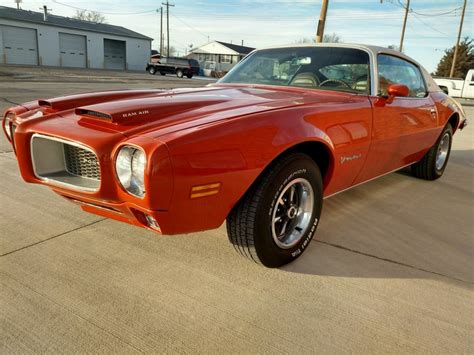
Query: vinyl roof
[[13, 14]]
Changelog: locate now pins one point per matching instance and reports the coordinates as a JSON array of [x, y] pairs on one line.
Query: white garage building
[[35, 38]]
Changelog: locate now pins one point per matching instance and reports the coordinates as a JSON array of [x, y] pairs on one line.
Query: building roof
[[13, 14], [237, 48]]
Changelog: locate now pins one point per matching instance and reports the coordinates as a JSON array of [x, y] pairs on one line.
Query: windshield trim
[[372, 73]]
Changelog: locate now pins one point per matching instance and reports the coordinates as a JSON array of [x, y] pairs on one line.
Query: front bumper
[[127, 212]]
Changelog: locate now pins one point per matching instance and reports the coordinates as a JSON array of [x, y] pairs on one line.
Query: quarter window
[[394, 70]]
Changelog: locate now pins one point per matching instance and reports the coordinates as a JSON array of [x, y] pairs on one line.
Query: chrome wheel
[[291, 215], [443, 150]]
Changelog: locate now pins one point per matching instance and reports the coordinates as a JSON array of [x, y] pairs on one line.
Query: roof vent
[[45, 13]]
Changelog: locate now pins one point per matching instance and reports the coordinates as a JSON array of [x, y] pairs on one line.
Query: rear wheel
[[189, 76], [276, 219], [433, 164], [179, 73]]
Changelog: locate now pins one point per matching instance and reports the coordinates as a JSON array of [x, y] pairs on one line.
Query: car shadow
[[398, 226]]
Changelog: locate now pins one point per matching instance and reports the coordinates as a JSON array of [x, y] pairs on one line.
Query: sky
[[432, 26]]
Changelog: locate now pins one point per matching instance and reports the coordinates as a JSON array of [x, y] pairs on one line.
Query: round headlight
[[130, 167], [138, 167], [123, 166], [6, 122]]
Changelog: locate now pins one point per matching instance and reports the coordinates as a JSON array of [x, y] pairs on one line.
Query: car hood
[[138, 112]]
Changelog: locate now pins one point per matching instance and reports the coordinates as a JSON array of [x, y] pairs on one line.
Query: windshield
[[328, 68]]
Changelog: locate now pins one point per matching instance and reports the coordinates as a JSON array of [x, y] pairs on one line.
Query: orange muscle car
[[261, 148]]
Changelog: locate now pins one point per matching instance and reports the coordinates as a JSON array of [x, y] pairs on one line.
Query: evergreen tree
[[464, 60]]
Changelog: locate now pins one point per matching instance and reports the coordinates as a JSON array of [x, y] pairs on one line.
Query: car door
[[468, 88], [404, 128], [166, 66]]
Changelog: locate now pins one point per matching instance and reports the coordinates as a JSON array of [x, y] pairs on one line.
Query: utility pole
[[322, 21], [168, 26], [161, 30], [407, 9], [455, 56]]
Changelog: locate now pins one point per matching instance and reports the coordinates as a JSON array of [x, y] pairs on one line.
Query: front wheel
[[189, 76], [433, 164], [276, 219], [152, 70]]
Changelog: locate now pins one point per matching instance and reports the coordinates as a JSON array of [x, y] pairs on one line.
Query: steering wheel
[[323, 83]]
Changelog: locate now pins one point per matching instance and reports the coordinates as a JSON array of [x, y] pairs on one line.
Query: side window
[[354, 75], [394, 70]]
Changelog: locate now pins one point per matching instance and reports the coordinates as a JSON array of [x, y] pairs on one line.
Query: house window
[[225, 58]]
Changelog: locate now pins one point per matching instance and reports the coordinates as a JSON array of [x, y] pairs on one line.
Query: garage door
[[19, 45], [114, 54], [72, 50]]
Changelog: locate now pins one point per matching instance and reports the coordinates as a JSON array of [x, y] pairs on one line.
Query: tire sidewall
[[179, 73], [152, 71], [448, 130], [269, 253]]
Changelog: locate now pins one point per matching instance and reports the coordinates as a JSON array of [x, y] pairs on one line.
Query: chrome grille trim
[[81, 162], [58, 162]]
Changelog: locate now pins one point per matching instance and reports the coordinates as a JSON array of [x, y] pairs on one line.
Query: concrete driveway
[[391, 269]]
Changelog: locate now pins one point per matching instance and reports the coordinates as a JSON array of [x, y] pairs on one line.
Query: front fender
[[222, 160]]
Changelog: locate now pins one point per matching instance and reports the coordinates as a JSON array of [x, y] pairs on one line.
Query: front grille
[[81, 162], [61, 162]]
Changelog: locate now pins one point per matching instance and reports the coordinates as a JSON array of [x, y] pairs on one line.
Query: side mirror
[[398, 90], [394, 90]]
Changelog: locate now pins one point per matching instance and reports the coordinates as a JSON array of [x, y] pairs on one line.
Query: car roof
[[374, 50]]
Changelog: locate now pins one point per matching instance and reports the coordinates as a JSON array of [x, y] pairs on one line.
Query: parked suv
[[174, 65]]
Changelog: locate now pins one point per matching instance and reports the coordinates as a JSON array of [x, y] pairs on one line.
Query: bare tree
[[332, 38], [90, 16], [173, 51], [328, 38]]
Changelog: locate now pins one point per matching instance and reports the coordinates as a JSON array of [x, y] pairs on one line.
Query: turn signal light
[[205, 190], [152, 223]]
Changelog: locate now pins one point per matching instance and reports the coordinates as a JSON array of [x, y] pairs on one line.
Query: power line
[[191, 27], [438, 14], [428, 25], [102, 12]]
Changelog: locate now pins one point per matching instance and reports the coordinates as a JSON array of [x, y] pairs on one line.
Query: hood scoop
[[93, 114], [140, 110]]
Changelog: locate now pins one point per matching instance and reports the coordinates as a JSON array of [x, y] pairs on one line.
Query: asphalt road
[[391, 269]]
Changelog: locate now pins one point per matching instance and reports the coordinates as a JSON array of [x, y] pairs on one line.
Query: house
[[223, 55], [35, 38]]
